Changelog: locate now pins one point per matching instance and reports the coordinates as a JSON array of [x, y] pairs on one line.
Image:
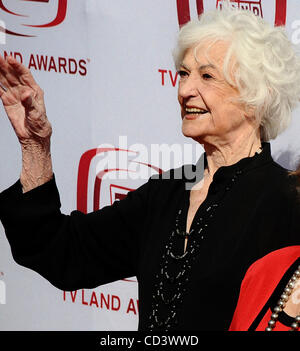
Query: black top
[[250, 210]]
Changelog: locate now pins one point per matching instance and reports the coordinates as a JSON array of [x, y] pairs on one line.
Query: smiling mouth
[[195, 111]]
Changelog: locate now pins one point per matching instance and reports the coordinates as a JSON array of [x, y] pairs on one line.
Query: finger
[[22, 73], [27, 99], [2, 91], [31, 101], [3, 88], [11, 77], [3, 69], [3, 63]]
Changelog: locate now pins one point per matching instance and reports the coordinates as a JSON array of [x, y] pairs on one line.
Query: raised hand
[[23, 101]]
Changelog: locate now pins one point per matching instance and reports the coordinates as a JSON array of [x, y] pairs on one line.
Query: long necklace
[[170, 287], [282, 302]]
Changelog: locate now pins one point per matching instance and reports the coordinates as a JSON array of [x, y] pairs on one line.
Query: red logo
[[184, 16], [58, 19], [117, 192]]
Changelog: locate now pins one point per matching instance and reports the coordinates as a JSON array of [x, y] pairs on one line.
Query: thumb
[[27, 99]]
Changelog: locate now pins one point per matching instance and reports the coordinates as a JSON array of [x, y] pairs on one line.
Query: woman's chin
[[190, 132]]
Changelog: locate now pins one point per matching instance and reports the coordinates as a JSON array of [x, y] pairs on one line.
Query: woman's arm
[[78, 250], [71, 251]]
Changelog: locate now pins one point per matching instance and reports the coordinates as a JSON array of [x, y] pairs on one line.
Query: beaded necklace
[[282, 302], [174, 271], [177, 280]]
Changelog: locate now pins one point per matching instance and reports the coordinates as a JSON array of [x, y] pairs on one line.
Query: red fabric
[[258, 285]]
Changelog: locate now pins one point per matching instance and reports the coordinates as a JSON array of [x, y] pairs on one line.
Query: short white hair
[[267, 68]]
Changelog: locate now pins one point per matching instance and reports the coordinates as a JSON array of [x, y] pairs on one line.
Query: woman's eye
[[182, 73], [206, 76]]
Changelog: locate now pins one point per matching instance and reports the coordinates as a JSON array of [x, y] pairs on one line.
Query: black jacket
[[251, 209]]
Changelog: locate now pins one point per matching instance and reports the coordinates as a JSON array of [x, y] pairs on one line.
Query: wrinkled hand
[[23, 101]]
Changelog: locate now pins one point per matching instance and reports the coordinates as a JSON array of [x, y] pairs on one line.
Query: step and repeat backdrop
[[111, 95]]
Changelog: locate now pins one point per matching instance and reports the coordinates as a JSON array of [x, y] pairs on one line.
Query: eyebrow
[[200, 67]]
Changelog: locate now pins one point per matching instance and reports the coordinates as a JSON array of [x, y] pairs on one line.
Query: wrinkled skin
[[23, 101]]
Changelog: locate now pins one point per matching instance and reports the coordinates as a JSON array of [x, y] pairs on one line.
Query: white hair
[[266, 69]]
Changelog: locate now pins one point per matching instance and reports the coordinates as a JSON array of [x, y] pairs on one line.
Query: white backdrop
[[107, 71]]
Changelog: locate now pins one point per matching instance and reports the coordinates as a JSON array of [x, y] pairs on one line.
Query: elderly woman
[[190, 249]]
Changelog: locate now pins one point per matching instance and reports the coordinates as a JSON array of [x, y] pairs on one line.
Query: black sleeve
[[73, 251]]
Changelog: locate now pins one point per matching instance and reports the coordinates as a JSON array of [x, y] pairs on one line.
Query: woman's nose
[[189, 87]]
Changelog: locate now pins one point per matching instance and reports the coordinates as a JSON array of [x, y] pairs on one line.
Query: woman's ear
[[250, 112], [251, 116]]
